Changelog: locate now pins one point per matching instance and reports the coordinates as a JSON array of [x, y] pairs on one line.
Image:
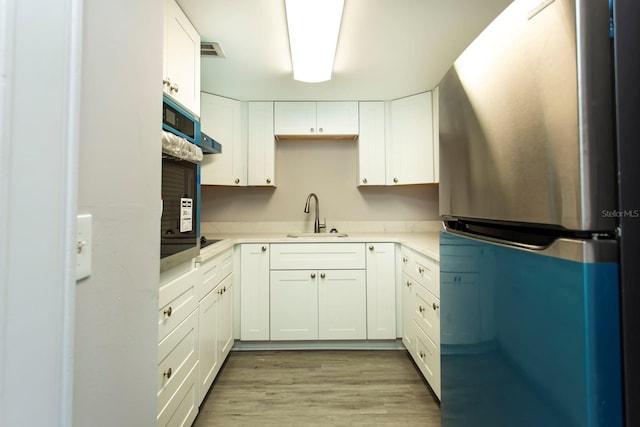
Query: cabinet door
[[225, 319], [294, 305], [337, 118], [254, 292], [436, 134], [408, 325], [182, 60], [222, 119], [411, 145], [261, 145], [381, 291], [295, 118], [208, 326], [371, 144], [342, 309]]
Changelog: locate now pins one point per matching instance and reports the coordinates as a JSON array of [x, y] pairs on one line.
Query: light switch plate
[[84, 242]]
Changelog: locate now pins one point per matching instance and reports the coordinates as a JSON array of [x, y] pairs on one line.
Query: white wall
[[327, 168], [119, 183], [38, 146]]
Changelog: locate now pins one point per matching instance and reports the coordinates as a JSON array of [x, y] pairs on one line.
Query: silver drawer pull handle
[[264, 248], [371, 247], [421, 309], [408, 283], [322, 275], [313, 275], [168, 311], [167, 373]]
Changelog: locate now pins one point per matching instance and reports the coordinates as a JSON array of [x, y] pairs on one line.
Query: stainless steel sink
[[325, 235]]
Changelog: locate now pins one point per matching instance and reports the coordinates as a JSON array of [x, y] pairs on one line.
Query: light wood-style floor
[[319, 388]]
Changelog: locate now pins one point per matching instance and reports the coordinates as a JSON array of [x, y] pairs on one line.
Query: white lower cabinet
[[342, 305], [178, 390], [216, 332], [254, 292], [381, 291], [421, 314], [178, 347], [215, 335], [318, 291], [294, 305]]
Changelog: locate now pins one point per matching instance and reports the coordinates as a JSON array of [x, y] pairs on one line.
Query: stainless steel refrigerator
[[530, 271]]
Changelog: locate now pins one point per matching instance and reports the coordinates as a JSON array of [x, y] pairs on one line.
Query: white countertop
[[427, 243]]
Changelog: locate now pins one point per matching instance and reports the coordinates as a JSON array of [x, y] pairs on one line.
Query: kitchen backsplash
[[329, 169], [210, 228]]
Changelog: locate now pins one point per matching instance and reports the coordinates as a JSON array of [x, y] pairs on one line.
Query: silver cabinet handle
[[420, 270], [321, 130], [408, 283], [421, 309], [371, 247], [237, 181], [167, 373], [313, 275], [168, 311], [166, 82], [364, 180], [268, 180], [264, 248], [174, 88], [322, 275], [395, 180], [436, 306], [404, 259], [312, 130], [422, 355]]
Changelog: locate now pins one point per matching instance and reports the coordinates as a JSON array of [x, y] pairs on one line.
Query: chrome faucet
[[316, 225]]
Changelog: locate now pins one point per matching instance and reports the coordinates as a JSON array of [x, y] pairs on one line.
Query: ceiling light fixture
[[314, 26]]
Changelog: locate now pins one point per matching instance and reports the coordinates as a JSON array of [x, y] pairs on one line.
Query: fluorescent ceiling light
[[313, 36]]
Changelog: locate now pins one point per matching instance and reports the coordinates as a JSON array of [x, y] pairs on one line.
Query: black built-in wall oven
[[180, 223]]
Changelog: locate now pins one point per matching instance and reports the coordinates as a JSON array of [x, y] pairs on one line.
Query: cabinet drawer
[[427, 273], [177, 299], [182, 409], [214, 270], [427, 313], [422, 269], [177, 355], [428, 360], [316, 256]]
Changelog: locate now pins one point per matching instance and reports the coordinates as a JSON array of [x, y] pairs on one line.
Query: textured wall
[[116, 351], [327, 168]]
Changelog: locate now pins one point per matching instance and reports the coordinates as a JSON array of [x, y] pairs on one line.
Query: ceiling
[[387, 48]]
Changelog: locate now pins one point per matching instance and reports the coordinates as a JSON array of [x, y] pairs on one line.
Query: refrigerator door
[[529, 338], [525, 119]]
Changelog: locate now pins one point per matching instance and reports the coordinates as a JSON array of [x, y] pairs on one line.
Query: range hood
[[209, 145]]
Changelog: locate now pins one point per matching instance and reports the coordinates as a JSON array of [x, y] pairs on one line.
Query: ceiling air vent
[[211, 49]]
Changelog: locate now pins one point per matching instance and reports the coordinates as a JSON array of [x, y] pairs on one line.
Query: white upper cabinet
[[410, 152], [224, 120], [181, 65], [371, 144], [436, 134], [316, 119], [261, 145]]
